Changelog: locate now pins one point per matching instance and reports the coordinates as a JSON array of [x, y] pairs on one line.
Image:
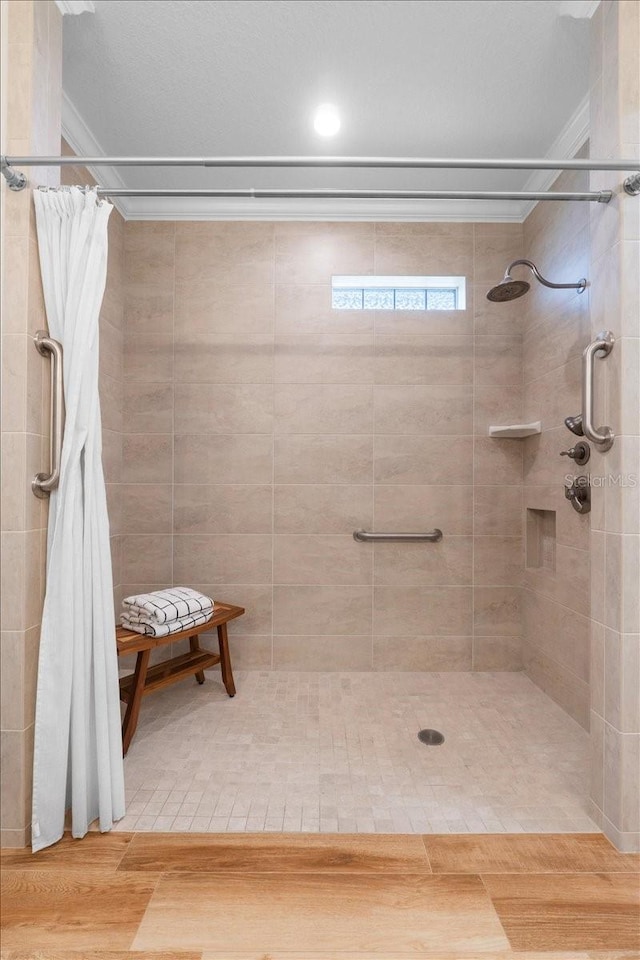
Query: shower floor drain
[[432, 738]]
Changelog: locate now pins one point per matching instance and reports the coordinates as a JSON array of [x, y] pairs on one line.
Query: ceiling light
[[326, 120]]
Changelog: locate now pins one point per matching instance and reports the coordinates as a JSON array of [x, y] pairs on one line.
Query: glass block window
[[398, 293]]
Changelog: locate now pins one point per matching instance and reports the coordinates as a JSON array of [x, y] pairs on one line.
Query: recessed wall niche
[[541, 540]]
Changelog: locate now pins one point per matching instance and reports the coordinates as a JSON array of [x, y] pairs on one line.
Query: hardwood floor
[[321, 897]]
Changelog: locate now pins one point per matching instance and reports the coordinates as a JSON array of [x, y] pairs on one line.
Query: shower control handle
[[579, 493], [579, 454]]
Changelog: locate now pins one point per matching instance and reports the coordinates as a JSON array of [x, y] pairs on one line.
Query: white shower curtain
[[78, 745]]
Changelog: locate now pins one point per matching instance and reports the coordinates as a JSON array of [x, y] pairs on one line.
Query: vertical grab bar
[[603, 436], [43, 483]]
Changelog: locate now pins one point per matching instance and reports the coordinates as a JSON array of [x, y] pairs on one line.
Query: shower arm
[[579, 286]]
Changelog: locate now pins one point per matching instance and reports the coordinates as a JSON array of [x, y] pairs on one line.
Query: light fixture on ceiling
[[326, 120]]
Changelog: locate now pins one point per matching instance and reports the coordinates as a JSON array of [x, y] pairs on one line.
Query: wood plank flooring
[[321, 897]]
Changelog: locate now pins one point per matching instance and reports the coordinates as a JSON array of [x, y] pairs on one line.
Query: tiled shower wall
[[615, 525], [556, 598], [31, 92], [262, 428]]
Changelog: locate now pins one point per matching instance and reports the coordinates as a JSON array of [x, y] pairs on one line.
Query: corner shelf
[[516, 431]]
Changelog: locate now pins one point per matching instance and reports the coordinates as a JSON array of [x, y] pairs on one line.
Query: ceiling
[[496, 78]]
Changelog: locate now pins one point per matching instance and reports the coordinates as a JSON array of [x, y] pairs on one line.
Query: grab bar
[[603, 436], [432, 536], [43, 483]]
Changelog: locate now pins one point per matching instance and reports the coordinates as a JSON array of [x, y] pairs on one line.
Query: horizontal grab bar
[[432, 536]]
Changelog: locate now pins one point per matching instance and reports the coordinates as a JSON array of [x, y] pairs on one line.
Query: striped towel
[[165, 606], [166, 629]]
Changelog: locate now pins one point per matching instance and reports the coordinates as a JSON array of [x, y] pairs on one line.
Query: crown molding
[[574, 135], [212, 208], [578, 9], [82, 141], [75, 6]]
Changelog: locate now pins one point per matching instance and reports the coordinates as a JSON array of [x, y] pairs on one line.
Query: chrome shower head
[[510, 289]]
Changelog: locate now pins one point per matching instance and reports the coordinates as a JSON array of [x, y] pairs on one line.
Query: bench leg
[[225, 660], [130, 721], [194, 646]]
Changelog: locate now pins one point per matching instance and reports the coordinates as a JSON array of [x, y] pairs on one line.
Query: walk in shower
[[418, 484]]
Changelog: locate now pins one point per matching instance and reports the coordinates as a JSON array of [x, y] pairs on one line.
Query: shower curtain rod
[[380, 162], [602, 196]]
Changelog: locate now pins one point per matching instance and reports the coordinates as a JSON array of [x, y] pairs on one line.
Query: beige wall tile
[[494, 252], [222, 558], [422, 653], [414, 508], [315, 458], [497, 461], [497, 319], [110, 403], [148, 407], [12, 649], [226, 252], [147, 310], [14, 488], [497, 611], [316, 256], [224, 358], [217, 306], [498, 511], [621, 668], [319, 610], [496, 404], [423, 256], [149, 253], [148, 358], [433, 323], [435, 611], [324, 653], [324, 358], [250, 653], [222, 508], [571, 693], [545, 621], [15, 787], [497, 653], [241, 458], [146, 508], [497, 560], [14, 382], [322, 559], [305, 308], [423, 410], [322, 508], [320, 408], [147, 458], [225, 408], [422, 460], [146, 559], [424, 564], [423, 360], [14, 585], [498, 360], [256, 598]]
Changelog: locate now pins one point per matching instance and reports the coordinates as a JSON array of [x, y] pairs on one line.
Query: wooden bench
[[145, 679]]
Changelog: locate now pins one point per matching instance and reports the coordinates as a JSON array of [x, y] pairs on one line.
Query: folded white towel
[[166, 629], [165, 606]]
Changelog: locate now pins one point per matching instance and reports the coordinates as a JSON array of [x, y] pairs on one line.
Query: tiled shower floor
[[334, 752]]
